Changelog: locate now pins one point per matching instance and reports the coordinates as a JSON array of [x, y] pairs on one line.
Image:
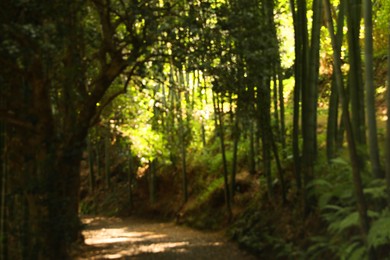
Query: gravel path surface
[[134, 238]]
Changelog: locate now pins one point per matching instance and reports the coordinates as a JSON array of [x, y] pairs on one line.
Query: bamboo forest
[[194, 129]]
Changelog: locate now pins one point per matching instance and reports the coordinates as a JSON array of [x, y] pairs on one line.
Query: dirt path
[[133, 238]]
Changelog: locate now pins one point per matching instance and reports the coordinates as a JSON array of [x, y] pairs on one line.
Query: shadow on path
[[133, 238]]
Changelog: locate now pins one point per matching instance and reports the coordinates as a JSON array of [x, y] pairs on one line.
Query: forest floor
[[137, 238]]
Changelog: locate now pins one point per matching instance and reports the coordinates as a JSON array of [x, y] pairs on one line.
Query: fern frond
[[319, 245], [358, 253], [348, 221], [379, 233], [376, 189], [320, 182], [339, 161]]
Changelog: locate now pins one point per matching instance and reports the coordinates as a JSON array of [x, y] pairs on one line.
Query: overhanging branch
[[95, 119]]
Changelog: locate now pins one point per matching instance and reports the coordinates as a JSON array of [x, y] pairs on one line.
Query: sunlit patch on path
[[131, 238]]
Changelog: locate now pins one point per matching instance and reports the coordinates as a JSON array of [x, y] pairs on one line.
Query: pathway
[[134, 238]]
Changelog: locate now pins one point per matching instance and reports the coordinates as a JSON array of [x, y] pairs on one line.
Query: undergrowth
[[331, 231], [336, 201], [261, 233]]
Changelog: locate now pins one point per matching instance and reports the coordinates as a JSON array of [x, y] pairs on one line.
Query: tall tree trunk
[[236, 139], [264, 123], [107, 153], [252, 156], [275, 102], [332, 122], [370, 91], [152, 181], [130, 178], [183, 147], [309, 104], [297, 93], [355, 73], [98, 159], [3, 185], [218, 110], [280, 168], [171, 122], [358, 185], [91, 164], [50, 202], [203, 102], [388, 122], [281, 104], [309, 96]]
